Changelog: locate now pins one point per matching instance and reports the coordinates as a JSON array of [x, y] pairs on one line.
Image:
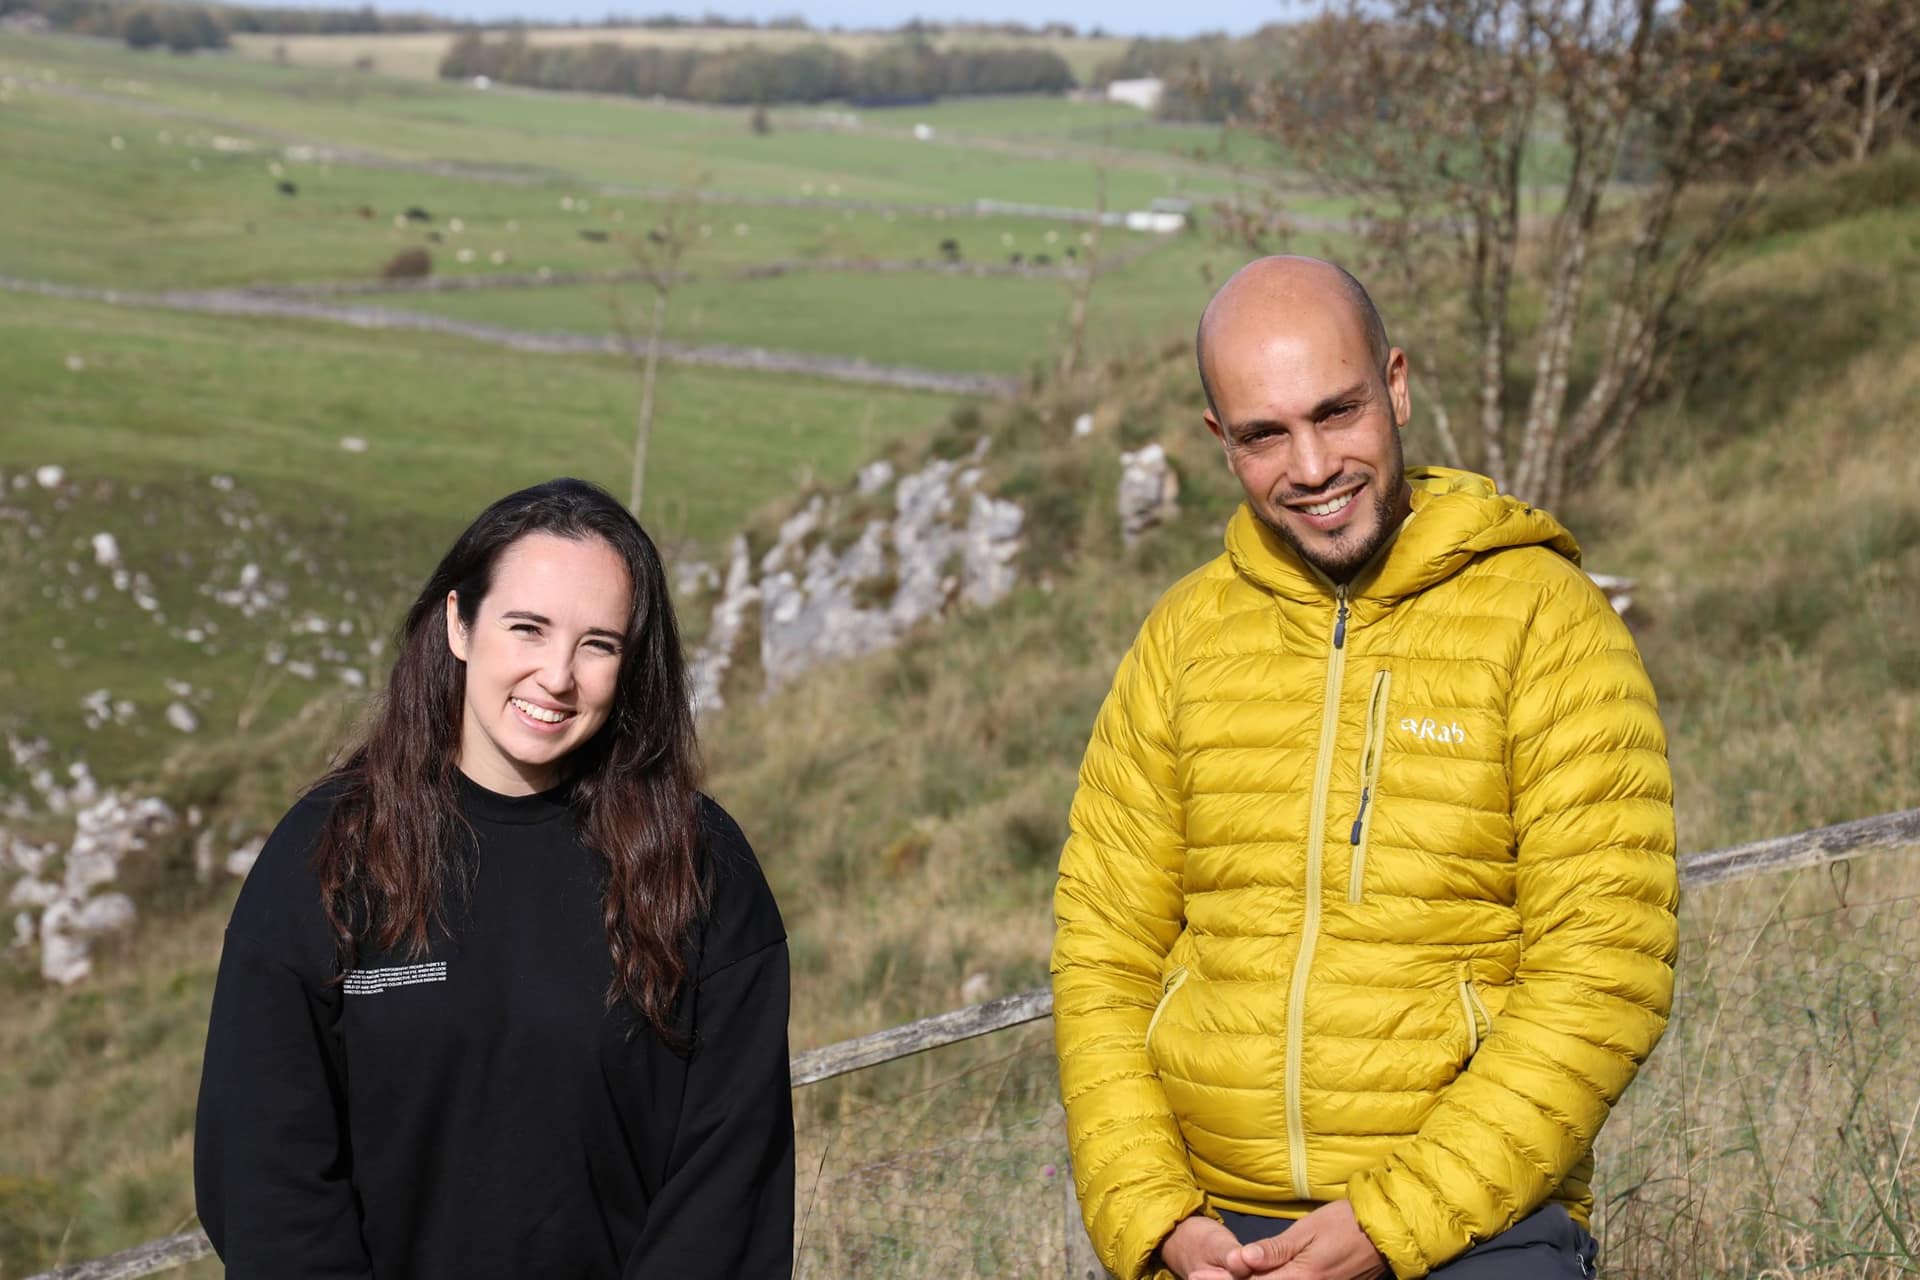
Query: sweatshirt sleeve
[[271, 1160], [725, 1209], [1596, 890]]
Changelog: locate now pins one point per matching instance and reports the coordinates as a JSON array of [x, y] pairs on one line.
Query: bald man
[[1365, 920]]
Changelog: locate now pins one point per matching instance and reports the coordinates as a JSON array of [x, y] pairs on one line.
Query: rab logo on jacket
[[371, 982], [1429, 731]]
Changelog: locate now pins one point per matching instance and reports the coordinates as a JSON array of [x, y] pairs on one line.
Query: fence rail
[[1823, 846]]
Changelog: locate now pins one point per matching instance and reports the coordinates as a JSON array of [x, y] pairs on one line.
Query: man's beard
[[1349, 552]]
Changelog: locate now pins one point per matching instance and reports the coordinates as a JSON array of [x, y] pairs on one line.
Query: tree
[[1083, 280], [1485, 143], [142, 29], [657, 256]]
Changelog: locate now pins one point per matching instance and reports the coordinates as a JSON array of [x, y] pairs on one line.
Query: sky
[[1118, 17]]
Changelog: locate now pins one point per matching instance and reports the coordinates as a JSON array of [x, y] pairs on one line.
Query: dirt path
[[247, 302]]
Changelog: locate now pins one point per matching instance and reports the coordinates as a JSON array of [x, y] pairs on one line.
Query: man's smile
[[1324, 513]]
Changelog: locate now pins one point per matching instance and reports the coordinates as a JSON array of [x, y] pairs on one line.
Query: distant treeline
[[911, 70], [206, 26], [184, 25]]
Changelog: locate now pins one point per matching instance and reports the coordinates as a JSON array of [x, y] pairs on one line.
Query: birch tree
[[1545, 184]]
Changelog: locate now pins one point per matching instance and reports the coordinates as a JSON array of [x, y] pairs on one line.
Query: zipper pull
[[1340, 623], [1366, 793]]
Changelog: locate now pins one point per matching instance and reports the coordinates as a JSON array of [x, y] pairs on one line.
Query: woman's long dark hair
[[390, 847]]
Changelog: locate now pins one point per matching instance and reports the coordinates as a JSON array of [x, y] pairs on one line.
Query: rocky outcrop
[[60, 890], [947, 543]]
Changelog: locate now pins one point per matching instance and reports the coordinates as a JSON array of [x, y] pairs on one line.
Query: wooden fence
[[1822, 846]]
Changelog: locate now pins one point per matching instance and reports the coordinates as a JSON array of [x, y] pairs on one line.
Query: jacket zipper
[[1167, 989], [1310, 927], [1474, 1012], [1370, 755]]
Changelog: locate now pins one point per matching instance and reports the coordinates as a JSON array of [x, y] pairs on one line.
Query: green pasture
[[592, 139], [1037, 119], [144, 409], [959, 324], [165, 209]]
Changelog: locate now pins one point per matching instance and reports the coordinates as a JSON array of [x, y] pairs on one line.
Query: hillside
[[1782, 628], [909, 805]]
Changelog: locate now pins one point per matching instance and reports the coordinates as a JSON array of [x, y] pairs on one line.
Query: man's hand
[[1327, 1244], [1198, 1249]]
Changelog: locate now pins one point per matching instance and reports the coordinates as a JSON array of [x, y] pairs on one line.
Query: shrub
[[408, 264]]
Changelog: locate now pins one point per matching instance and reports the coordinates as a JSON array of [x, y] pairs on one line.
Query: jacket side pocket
[[1167, 988], [1479, 1022]]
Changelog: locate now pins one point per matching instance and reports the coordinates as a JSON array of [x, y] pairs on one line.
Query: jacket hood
[[1457, 515]]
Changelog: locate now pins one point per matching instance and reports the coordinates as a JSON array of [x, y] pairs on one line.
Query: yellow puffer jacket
[[1369, 894]]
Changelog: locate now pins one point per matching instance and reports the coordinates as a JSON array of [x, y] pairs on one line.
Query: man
[[1366, 917]]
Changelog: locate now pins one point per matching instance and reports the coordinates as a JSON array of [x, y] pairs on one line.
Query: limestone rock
[[948, 543], [61, 890], [738, 595], [241, 860], [1149, 492]]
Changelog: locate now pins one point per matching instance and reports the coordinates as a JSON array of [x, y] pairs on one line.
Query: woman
[[504, 995]]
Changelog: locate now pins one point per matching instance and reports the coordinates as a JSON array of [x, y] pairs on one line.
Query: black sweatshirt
[[478, 1111]]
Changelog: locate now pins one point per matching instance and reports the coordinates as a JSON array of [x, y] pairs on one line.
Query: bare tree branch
[[1638, 132]]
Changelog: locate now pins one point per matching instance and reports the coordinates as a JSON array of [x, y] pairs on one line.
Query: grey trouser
[[1544, 1245]]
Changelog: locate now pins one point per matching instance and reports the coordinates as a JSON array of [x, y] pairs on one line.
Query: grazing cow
[[287, 188], [366, 211], [1042, 260], [593, 235], [950, 249], [1072, 253], [1016, 258], [416, 214]]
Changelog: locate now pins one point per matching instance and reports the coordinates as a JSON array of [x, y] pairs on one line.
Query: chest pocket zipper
[[1171, 985], [1371, 751], [1473, 1011]]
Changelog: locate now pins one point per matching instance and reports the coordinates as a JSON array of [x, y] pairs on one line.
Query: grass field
[[1005, 326], [151, 173], [166, 209], [908, 807], [591, 139]]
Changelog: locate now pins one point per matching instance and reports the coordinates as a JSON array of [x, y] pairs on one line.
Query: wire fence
[[1771, 1136]]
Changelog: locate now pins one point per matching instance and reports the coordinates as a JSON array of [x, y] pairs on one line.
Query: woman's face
[[543, 659]]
